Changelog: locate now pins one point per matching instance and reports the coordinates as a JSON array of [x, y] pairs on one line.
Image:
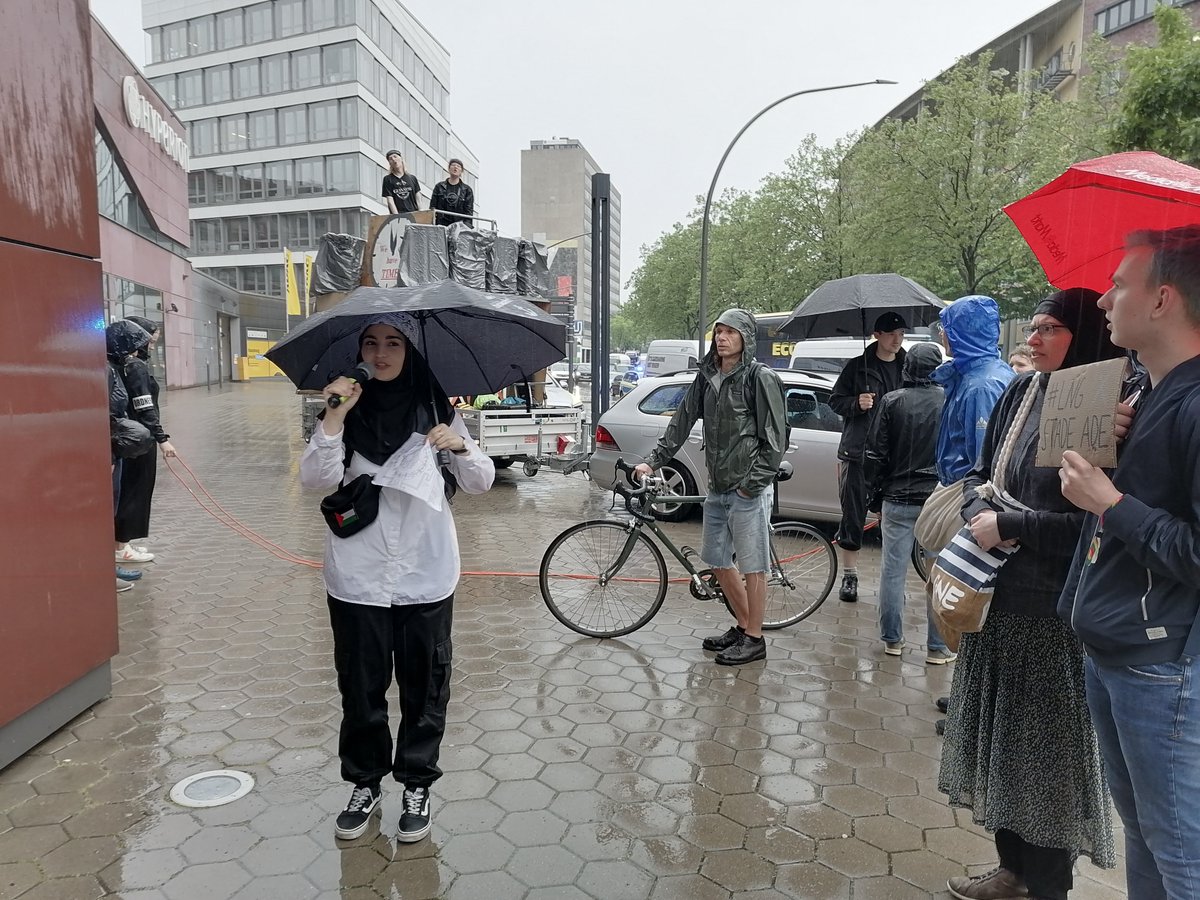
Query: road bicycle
[[606, 577]]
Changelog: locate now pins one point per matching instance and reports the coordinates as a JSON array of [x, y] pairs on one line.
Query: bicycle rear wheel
[[572, 579], [803, 569], [920, 564]]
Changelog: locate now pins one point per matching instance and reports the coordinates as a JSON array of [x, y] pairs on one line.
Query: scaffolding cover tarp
[[469, 250], [338, 263], [533, 269], [424, 255], [502, 266]]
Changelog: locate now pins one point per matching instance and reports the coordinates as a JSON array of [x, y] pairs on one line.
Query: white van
[[828, 356], [665, 357]]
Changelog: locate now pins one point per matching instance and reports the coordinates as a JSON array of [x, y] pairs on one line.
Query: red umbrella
[[1077, 224]]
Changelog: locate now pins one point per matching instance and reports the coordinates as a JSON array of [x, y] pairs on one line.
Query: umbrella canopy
[[474, 342], [1077, 224], [848, 307]]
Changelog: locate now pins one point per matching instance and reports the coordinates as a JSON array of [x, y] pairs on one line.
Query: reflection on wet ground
[[574, 767]]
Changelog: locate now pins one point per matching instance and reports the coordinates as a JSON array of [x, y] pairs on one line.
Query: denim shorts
[[741, 525]]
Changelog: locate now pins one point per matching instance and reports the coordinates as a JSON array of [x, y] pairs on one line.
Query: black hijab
[[389, 412], [1090, 340]]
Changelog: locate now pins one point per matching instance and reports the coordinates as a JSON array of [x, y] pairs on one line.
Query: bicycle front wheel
[[587, 592], [803, 569]]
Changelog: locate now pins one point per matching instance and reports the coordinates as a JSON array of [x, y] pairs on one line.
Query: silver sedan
[[633, 426]]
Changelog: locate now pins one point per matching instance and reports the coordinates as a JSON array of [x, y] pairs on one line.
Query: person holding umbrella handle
[[391, 566]]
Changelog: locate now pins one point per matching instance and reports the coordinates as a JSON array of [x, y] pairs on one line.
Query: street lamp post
[[703, 318]]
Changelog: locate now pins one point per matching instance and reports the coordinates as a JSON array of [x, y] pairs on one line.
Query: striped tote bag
[[964, 576]]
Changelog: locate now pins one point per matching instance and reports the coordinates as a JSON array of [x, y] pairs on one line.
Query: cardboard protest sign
[[1079, 412]]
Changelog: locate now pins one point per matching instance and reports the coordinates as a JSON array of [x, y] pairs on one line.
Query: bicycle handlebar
[[637, 494]]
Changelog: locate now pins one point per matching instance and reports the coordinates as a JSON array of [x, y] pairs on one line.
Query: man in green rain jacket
[[745, 436]]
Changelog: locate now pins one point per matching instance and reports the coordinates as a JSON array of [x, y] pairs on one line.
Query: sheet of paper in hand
[[413, 469], [1079, 412]]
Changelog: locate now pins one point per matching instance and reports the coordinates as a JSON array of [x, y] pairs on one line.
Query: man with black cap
[[400, 189], [856, 396], [453, 196]]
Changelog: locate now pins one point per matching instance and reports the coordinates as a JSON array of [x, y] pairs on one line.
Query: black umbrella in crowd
[[474, 342], [848, 307]]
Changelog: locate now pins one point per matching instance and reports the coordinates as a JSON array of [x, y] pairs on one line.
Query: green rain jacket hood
[[744, 440]]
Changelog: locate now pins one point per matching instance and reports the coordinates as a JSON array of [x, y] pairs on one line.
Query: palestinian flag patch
[[349, 517]]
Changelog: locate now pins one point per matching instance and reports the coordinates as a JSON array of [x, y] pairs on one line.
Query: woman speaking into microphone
[[391, 565]]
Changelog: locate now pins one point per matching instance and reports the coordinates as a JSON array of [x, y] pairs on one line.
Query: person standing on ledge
[[453, 196], [400, 189]]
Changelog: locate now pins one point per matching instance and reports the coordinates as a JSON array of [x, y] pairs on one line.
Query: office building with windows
[[556, 208], [1051, 45], [290, 107]]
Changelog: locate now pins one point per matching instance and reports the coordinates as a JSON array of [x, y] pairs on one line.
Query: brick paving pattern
[[575, 768]]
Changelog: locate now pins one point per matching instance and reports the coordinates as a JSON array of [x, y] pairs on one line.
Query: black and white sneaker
[[414, 821], [353, 820]]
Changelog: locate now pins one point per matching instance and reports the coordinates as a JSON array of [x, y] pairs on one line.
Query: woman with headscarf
[[138, 474], [391, 584], [1020, 751]]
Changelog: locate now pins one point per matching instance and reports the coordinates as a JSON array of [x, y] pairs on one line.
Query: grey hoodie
[[744, 442]]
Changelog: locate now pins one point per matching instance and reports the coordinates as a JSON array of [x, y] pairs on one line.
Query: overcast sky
[[656, 89]]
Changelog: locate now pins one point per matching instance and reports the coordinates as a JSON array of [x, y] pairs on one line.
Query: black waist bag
[[352, 507]]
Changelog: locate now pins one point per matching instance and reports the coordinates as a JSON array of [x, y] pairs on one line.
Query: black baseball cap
[[890, 321], [392, 153], [454, 160]]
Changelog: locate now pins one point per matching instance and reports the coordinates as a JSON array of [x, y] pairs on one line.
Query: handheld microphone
[[358, 374]]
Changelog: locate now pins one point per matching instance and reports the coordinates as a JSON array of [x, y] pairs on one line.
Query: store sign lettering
[[145, 117]]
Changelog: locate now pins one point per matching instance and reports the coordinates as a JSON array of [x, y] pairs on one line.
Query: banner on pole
[[289, 280]]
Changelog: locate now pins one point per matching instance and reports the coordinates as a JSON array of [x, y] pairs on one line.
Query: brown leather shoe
[[998, 884]]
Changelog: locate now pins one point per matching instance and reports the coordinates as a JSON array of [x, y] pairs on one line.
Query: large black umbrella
[[474, 342], [848, 307]]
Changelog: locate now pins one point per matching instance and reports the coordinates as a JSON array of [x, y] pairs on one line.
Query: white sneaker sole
[[411, 837], [893, 651], [344, 834], [931, 661]]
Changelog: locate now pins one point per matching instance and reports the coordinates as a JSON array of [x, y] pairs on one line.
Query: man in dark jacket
[[744, 442], [1133, 593], [901, 453], [453, 196], [856, 397]]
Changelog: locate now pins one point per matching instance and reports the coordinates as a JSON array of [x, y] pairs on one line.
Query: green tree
[[1159, 102], [930, 191], [665, 288]]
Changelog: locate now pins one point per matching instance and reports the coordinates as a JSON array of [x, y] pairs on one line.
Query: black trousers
[[1046, 870], [369, 642], [852, 492], [137, 491]]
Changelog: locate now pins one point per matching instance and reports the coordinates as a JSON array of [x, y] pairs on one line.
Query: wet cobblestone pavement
[[575, 768]]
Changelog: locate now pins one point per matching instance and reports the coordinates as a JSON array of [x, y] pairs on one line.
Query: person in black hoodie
[[1020, 751], [1133, 594], [122, 339], [856, 396], [901, 463], [138, 474]]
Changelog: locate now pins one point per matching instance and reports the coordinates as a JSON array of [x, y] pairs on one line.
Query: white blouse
[[409, 554]]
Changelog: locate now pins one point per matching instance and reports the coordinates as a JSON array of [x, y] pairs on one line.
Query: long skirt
[[1020, 751], [137, 491]]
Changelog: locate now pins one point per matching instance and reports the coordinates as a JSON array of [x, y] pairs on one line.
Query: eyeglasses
[[1043, 331]]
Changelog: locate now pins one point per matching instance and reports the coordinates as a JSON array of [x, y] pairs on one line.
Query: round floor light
[[212, 788]]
